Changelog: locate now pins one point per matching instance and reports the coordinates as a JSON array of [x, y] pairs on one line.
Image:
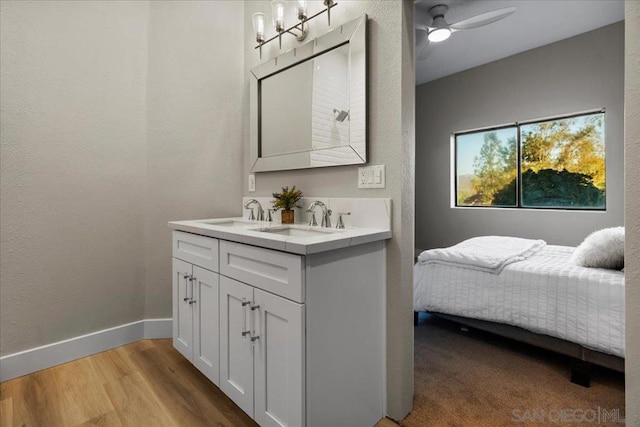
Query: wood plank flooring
[[147, 383]]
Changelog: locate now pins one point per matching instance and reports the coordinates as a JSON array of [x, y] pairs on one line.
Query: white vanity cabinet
[[262, 333], [262, 353], [300, 338], [196, 302]]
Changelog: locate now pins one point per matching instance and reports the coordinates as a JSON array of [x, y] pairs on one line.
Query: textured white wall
[[390, 131], [116, 118], [72, 168], [195, 120], [632, 210]]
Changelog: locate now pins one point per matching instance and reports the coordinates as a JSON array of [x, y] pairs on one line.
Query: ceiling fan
[[440, 30]]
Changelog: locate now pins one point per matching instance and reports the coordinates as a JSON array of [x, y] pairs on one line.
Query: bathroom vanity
[[288, 321]]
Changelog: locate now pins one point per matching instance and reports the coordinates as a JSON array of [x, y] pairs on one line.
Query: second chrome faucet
[[252, 216], [326, 214]]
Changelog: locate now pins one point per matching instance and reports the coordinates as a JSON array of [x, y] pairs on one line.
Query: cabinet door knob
[[192, 301]]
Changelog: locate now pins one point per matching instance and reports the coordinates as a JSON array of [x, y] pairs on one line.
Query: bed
[[537, 296]]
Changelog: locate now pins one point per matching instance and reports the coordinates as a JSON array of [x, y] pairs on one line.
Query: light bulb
[[258, 26], [439, 34], [302, 10], [277, 11]]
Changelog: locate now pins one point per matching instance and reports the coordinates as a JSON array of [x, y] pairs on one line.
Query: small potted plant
[[286, 201]]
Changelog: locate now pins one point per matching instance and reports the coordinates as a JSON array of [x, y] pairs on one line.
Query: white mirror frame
[[354, 33]]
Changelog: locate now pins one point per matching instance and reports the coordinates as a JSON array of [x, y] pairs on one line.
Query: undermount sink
[[230, 223], [296, 232]]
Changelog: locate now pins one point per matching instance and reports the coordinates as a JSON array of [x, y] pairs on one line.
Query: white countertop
[[244, 231]]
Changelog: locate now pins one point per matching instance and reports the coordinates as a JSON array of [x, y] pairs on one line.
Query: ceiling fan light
[[439, 34]]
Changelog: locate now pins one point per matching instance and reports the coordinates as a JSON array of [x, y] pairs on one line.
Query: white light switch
[[252, 183], [377, 176]]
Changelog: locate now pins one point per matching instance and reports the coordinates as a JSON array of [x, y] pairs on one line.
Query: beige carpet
[[477, 379]]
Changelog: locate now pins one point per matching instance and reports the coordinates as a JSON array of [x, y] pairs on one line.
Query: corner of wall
[[632, 220]]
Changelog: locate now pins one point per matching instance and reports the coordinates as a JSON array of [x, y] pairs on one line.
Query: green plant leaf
[[287, 199]]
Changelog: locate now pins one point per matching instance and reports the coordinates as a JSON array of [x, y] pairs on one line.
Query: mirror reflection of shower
[[340, 115], [330, 96]]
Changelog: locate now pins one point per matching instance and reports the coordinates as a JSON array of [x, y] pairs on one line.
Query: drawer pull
[[253, 337], [186, 288], [192, 279], [245, 331]]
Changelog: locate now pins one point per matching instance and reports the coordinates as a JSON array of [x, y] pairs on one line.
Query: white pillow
[[601, 249]]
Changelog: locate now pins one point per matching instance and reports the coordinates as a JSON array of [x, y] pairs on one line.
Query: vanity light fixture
[[278, 10], [328, 4], [258, 26], [277, 14]]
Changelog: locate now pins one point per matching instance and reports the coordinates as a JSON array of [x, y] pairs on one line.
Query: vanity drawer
[[198, 250], [276, 272]]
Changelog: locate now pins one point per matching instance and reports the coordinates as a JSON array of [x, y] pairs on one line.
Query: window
[[556, 163]]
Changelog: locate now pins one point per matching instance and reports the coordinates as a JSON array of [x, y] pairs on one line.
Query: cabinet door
[[279, 361], [205, 323], [236, 352], [182, 311]]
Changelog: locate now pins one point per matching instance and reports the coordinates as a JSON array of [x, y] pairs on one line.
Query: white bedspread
[[485, 253], [544, 294]]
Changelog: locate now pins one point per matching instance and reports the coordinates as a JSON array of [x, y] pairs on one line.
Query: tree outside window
[[558, 163]]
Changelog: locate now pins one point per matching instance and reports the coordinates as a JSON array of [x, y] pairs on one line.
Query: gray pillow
[[601, 249]]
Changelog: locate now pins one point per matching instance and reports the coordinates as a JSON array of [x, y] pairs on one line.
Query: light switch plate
[[371, 176], [252, 183]]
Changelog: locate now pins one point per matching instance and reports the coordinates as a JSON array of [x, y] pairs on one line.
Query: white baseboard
[[35, 359]]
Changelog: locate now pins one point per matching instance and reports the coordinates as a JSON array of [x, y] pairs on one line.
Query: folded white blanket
[[487, 253]]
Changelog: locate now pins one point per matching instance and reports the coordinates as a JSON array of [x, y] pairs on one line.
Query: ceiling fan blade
[[422, 44], [482, 19]]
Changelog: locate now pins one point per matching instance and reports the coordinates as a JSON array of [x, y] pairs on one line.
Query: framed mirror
[[309, 105]]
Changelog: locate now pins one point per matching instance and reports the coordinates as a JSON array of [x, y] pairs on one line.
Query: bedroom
[[580, 72]]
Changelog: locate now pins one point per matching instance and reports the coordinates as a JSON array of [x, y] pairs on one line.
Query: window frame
[[517, 125]]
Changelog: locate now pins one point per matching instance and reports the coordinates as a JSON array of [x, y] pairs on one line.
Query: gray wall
[[116, 118], [390, 131], [582, 73], [632, 210], [194, 122], [72, 167]]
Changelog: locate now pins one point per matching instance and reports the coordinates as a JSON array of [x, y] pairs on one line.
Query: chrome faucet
[[326, 214], [252, 216]]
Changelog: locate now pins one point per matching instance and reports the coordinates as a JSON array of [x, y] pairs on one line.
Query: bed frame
[[582, 357]]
